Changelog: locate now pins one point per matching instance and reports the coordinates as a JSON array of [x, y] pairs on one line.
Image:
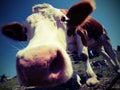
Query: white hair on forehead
[[42, 7], [45, 11]]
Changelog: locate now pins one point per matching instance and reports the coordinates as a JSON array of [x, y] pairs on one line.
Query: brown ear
[[15, 30], [79, 12]]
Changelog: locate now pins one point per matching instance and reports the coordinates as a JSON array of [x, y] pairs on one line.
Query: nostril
[[57, 65]]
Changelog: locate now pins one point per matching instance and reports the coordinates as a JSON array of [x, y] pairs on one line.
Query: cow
[[98, 41], [93, 37], [44, 62]]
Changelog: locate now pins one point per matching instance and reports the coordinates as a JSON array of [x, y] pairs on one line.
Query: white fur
[[45, 28]]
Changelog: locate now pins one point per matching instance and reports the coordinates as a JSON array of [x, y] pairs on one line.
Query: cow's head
[[44, 62]]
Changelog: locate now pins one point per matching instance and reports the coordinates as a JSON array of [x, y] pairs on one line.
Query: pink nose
[[41, 66]]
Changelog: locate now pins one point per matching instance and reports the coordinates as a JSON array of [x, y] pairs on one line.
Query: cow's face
[[44, 62]]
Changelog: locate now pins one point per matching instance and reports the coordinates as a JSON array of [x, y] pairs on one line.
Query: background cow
[[88, 35], [45, 61], [94, 35]]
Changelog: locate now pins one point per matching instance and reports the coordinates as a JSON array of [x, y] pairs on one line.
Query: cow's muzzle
[[43, 67]]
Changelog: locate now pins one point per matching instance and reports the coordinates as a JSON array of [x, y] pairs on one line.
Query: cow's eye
[[64, 19]]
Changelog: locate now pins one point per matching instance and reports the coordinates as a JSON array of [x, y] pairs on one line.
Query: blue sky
[[107, 12]]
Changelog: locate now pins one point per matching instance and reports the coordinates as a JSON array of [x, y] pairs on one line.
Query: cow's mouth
[[52, 67]]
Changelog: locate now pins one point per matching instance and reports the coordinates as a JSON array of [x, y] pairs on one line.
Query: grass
[[9, 85], [107, 72]]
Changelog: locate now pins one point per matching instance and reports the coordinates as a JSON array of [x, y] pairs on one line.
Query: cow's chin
[[51, 68]]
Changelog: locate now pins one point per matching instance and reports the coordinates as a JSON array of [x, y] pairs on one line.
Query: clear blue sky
[[107, 12]]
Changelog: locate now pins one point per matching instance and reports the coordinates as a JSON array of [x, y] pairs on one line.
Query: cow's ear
[[15, 30], [79, 12]]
